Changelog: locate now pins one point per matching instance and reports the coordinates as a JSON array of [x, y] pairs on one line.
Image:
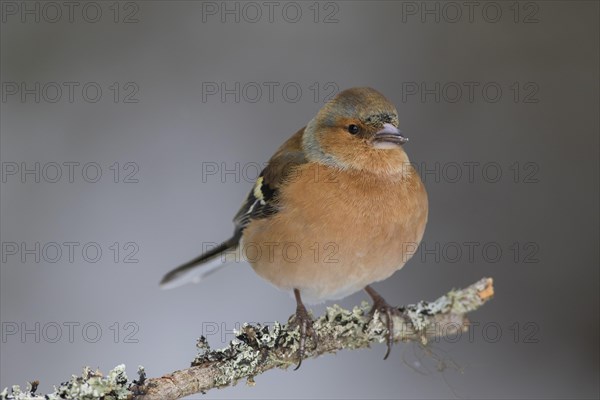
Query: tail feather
[[200, 267]]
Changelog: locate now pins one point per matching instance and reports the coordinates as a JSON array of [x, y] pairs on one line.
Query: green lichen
[[260, 347], [340, 323], [91, 385], [17, 394], [257, 348], [467, 300], [244, 354], [252, 350]]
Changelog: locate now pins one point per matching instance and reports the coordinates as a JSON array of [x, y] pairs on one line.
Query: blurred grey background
[[145, 94]]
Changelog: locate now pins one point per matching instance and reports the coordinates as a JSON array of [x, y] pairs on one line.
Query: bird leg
[[379, 304], [305, 323]]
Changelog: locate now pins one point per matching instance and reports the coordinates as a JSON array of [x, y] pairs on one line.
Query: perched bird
[[337, 208]]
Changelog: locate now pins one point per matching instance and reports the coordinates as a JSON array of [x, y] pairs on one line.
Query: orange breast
[[338, 231]]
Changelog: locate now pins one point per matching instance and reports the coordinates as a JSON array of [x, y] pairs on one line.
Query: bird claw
[[304, 322], [380, 305]]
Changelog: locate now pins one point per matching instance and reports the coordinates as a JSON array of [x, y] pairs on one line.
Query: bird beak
[[389, 134]]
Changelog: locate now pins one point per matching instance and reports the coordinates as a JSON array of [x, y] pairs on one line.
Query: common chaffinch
[[337, 208]]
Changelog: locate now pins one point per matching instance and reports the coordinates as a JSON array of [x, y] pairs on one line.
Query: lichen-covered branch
[[257, 349]]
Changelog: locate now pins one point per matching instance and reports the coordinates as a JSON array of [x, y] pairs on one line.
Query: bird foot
[[304, 322], [384, 309]]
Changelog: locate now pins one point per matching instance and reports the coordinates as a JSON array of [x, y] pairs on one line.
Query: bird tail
[[197, 269]]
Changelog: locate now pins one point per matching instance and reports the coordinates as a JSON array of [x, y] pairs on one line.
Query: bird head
[[357, 130]]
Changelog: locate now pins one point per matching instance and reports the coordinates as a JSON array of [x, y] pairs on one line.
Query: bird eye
[[353, 129]]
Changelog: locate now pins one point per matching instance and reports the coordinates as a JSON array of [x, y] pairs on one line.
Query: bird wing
[[262, 201]]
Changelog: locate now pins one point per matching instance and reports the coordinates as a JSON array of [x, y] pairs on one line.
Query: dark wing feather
[[262, 201]]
